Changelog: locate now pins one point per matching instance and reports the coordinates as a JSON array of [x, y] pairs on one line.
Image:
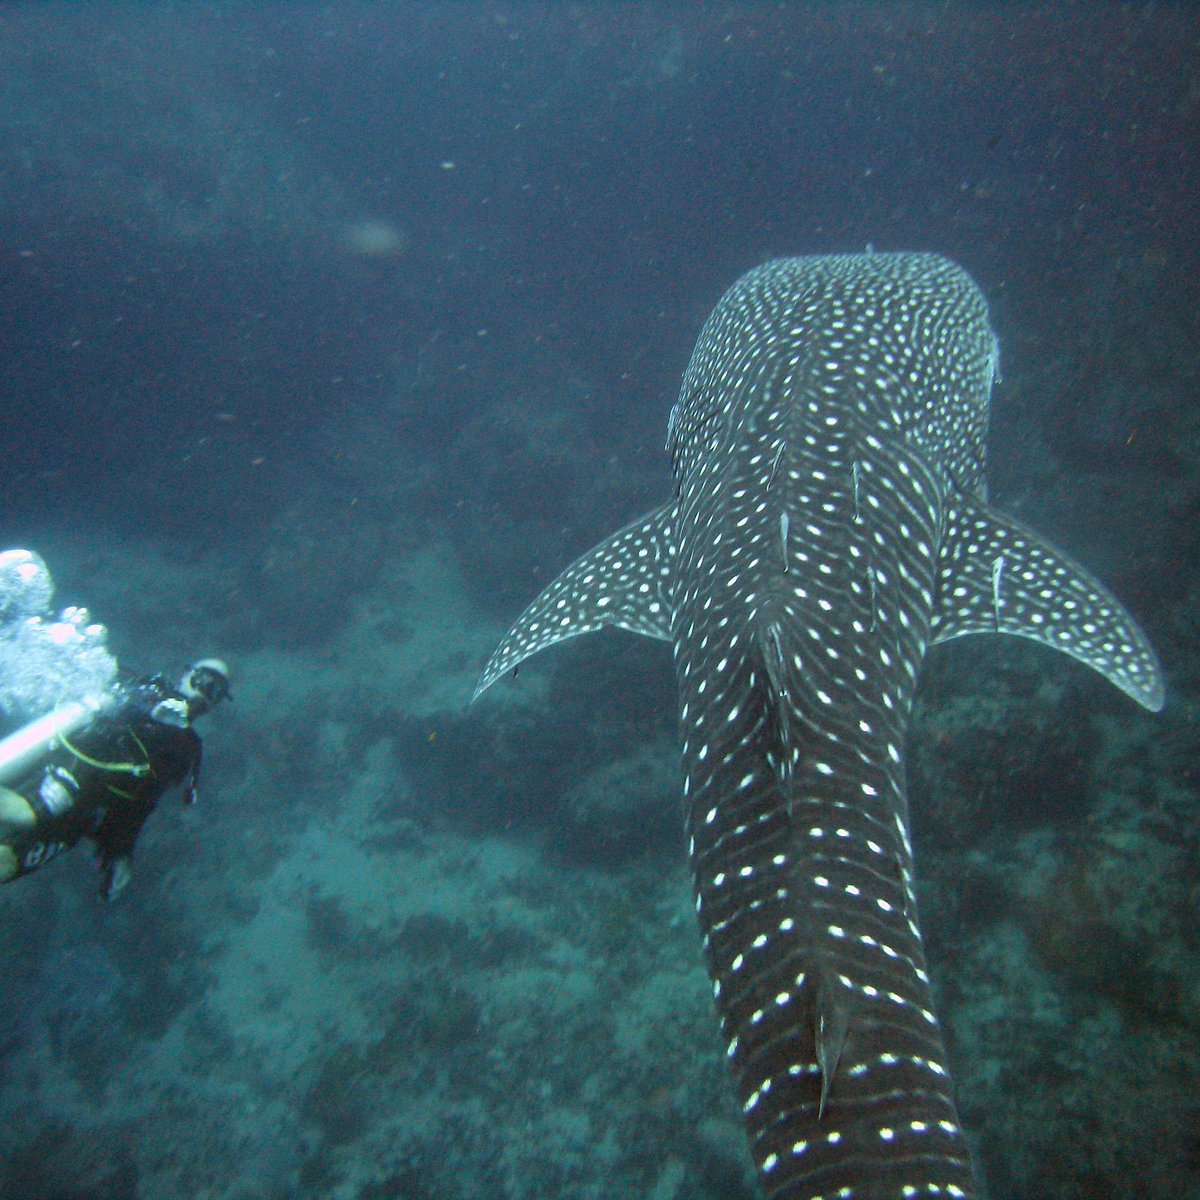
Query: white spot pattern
[[829, 523]]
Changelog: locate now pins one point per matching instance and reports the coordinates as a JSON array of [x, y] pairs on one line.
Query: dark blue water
[[328, 334]]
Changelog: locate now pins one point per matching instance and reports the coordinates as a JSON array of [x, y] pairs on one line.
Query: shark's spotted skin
[[624, 581], [829, 525], [995, 576]]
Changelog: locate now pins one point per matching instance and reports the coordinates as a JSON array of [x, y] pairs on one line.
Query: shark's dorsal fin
[[623, 581], [996, 576]]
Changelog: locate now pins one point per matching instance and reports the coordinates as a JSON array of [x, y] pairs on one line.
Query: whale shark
[[829, 524]]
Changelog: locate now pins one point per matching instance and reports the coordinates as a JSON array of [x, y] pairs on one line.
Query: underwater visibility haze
[[332, 334]]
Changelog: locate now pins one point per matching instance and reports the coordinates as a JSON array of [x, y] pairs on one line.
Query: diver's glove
[[117, 875]]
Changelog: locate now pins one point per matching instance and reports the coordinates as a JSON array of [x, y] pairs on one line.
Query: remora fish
[[829, 524]]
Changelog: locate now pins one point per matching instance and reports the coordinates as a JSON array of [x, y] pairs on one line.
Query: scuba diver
[[104, 780]]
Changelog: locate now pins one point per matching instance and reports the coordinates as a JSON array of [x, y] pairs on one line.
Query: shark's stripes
[[797, 655], [829, 524]]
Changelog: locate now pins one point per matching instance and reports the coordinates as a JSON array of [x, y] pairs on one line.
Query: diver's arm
[[192, 782]]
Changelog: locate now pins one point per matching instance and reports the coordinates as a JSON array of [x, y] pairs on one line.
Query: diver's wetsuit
[[116, 770]]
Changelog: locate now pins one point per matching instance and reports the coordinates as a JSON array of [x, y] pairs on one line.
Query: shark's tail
[[803, 888]]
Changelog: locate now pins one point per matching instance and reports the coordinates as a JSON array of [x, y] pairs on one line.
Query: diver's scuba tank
[[23, 749], [20, 753]]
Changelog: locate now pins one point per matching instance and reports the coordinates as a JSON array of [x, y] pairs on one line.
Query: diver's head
[[204, 685]]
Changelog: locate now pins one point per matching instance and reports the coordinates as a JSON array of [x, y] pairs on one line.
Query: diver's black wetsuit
[[116, 771]]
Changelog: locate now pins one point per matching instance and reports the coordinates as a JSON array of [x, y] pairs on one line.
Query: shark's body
[[829, 525]]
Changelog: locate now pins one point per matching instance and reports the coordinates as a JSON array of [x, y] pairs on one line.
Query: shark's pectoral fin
[[996, 576], [623, 581]]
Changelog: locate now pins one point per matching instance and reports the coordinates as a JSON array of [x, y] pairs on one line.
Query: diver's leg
[[16, 813], [16, 817], [23, 843]]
